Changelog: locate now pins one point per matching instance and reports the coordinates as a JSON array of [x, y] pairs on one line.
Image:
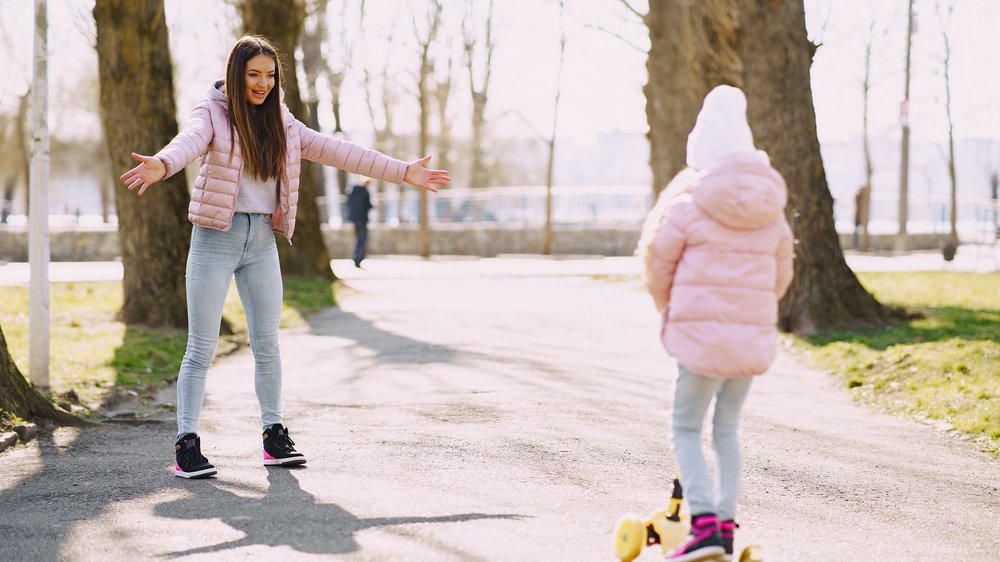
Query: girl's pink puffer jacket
[[213, 198], [717, 260]]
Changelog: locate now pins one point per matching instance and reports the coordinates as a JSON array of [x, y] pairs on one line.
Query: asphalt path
[[490, 410]]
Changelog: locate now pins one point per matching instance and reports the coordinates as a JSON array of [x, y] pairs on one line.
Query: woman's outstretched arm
[[357, 159]]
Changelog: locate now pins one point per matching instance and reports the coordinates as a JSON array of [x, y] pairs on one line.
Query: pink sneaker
[[704, 542]]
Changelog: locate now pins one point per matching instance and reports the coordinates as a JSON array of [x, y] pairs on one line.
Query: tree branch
[[633, 10], [617, 36]]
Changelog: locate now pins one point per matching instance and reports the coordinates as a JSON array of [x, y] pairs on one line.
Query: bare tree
[[478, 54], [14, 132], [426, 35], [863, 200], [381, 97], [281, 22], [547, 236], [313, 37], [951, 246], [762, 47], [328, 54], [139, 114], [21, 136], [442, 94], [902, 241]]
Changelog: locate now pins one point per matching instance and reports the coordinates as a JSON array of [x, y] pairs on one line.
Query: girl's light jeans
[[692, 395], [249, 252]]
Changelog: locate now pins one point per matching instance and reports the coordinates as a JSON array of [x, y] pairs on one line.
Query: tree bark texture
[[760, 46], [17, 396], [692, 49], [280, 21], [139, 114], [777, 57]]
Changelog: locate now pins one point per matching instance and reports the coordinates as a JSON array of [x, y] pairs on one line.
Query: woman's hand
[[149, 171], [419, 176]]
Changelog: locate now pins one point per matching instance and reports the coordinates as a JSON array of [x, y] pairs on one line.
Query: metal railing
[[514, 206]]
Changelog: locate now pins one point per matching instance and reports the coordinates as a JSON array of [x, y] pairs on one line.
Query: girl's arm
[[784, 256], [189, 144], [357, 159], [663, 254]]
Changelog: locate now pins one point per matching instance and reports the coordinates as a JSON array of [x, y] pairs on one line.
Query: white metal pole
[[38, 240]]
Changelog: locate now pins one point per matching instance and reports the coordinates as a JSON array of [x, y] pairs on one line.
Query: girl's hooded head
[[721, 128]]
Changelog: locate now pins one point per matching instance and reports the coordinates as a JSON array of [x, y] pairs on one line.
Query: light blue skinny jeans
[[249, 252], [692, 395]]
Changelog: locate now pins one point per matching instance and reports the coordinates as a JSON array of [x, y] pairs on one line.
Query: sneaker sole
[[285, 462], [710, 553], [197, 474]]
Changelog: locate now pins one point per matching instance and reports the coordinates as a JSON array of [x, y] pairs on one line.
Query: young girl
[[717, 252], [250, 147]]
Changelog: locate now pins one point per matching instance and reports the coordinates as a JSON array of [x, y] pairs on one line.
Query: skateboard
[[666, 527]]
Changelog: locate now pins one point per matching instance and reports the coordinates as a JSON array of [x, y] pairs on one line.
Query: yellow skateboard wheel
[[630, 537]]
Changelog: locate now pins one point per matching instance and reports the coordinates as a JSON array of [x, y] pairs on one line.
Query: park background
[[370, 66], [429, 367]]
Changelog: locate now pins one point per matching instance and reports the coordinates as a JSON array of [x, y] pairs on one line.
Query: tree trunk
[[312, 65], [479, 95], [138, 112], [337, 80], [692, 49], [864, 212], [777, 57], [424, 100], [281, 22], [17, 396], [22, 134], [760, 46], [442, 95]]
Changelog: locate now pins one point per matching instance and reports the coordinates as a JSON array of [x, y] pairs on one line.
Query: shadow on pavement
[[287, 516], [389, 347], [75, 480]]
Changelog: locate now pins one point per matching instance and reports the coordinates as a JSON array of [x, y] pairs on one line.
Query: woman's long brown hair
[[260, 128]]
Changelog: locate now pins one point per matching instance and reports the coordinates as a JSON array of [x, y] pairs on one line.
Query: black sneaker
[[189, 461], [279, 449], [727, 529]]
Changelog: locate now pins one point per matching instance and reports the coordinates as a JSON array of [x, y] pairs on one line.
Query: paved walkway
[[481, 410], [980, 258]]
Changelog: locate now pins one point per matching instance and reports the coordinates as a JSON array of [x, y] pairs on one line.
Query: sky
[[602, 75]]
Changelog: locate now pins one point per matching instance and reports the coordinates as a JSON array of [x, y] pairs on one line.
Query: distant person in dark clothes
[[359, 202]]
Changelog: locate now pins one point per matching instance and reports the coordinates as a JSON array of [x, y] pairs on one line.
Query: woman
[[247, 188]]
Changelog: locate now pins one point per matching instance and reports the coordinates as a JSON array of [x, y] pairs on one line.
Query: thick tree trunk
[[692, 49], [138, 111], [17, 396], [777, 57], [760, 46], [281, 22]]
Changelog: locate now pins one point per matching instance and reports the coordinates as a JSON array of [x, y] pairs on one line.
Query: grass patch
[[8, 420], [92, 354], [943, 368]]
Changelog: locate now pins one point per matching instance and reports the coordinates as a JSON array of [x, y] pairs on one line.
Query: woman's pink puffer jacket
[[213, 198]]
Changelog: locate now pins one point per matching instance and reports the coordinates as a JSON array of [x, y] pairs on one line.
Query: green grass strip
[[943, 368]]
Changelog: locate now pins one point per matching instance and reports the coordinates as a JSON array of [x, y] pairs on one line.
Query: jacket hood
[[740, 190], [216, 93]]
